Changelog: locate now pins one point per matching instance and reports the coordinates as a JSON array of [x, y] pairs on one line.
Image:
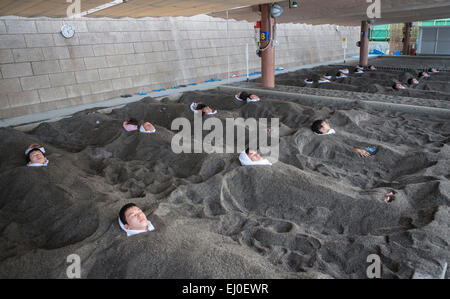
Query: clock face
[[67, 31]]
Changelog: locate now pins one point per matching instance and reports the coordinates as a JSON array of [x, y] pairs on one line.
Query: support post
[[364, 46], [268, 54], [406, 38]]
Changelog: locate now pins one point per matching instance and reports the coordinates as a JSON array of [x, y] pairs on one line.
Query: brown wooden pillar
[[406, 38], [267, 51], [364, 46]]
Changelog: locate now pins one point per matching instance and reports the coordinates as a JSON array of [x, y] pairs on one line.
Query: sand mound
[[318, 212]]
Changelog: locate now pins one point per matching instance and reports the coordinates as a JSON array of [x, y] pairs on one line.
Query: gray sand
[[317, 213]]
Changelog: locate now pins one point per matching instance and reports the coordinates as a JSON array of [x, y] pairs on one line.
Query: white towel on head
[[30, 149], [359, 72], [344, 71], [237, 98], [328, 77], [197, 111], [341, 77], [249, 100], [308, 82], [142, 130], [331, 131], [246, 161], [38, 164], [325, 81], [193, 107], [131, 232]]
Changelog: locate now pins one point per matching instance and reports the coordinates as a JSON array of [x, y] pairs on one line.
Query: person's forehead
[[132, 210]]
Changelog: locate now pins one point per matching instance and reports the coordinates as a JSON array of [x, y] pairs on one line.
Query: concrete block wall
[[40, 70]]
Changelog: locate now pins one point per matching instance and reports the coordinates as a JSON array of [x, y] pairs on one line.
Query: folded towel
[[131, 232], [359, 72], [193, 107], [325, 81], [39, 148], [328, 77], [38, 164], [331, 131], [142, 130], [214, 112], [308, 82], [344, 71], [249, 100], [341, 77], [237, 98], [246, 161]]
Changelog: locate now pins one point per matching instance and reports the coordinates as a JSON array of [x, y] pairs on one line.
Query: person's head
[[35, 155], [432, 70], [372, 68], [340, 74], [413, 81], [132, 217], [320, 127], [423, 74], [204, 108], [253, 97], [398, 86], [132, 121], [148, 126], [253, 155], [243, 95]]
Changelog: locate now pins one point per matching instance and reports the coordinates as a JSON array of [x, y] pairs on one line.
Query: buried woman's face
[[36, 156], [148, 126], [207, 110], [325, 127]]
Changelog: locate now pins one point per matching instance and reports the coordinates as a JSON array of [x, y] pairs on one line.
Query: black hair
[[316, 126], [133, 121], [421, 74], [33, 150], [393, 86], [243, 96], [429, 70], [338, 74], [410, 81], [123, 210], [200, 106]]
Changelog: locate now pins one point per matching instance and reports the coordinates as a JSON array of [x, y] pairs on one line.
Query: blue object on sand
[[161, 89], [142, 93], [377, 52], [192, 84], [397, 53], [174, 87], [371, 149]]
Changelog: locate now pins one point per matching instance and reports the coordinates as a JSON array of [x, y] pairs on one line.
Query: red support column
[[268, 55], [364, 46]]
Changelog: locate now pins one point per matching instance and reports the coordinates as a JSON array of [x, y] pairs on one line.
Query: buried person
[[130, 125], [35, 154], [340, 75], [205, 109], [133, 221], [398, 86], [412, 81], [433, 70], [424, 75], [251, 157], [243, 96], [321, 127], [147, 128]]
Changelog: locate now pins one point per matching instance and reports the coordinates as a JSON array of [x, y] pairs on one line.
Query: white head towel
[[38, 164], [344, 71], [359, 72], [246, 161], [340, 77], [142, 130], [237, 98], [328, 77], [197, 111], [324, 81], [249, 100], [331, 131], [131, 232], [308, 82]]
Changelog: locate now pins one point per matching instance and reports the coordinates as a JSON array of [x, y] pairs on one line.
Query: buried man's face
[[399, 86], [253, 97], [415, 81], [136, 219], [254, 156], [207, 110], [36, 156], [325, 127], [148, 126]]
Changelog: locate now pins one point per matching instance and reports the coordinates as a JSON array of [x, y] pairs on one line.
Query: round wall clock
[[67, 31]]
